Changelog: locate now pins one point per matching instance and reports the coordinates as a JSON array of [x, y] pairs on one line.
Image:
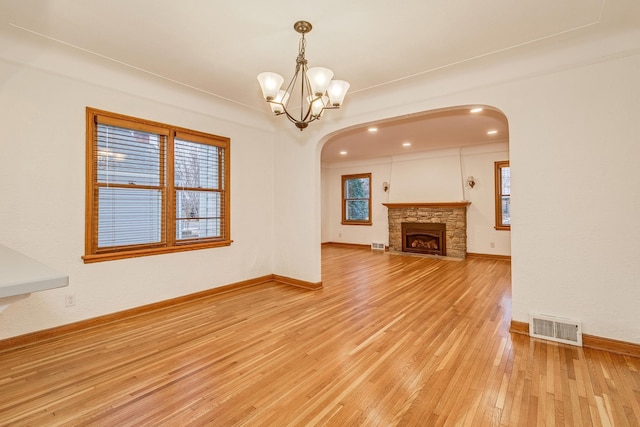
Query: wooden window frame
[[498, 195], [345, 221], [168, 242]]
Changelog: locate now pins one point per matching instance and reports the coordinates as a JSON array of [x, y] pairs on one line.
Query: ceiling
[[441, 129], [218, 47]]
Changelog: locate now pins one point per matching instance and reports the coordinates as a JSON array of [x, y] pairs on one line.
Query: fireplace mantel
[[462, 204]]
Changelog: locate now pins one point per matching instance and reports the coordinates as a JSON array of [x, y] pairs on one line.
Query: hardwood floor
[[390, 340]]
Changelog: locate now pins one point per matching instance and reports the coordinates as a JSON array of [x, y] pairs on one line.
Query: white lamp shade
[[317, 106], [337, 90], [270, 84], [319, 79], [277, 106]]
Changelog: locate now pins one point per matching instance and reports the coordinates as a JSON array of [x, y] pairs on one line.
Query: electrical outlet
[[69, 300], [493, 245]]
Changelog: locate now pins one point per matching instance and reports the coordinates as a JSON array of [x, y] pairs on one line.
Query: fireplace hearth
[[424, 238]]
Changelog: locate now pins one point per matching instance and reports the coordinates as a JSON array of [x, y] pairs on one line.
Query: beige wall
[[42, 187]]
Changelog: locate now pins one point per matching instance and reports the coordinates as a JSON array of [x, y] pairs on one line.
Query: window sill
[[355, 223], [110, 256]]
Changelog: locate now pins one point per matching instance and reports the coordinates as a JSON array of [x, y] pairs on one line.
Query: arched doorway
[[423, 157]]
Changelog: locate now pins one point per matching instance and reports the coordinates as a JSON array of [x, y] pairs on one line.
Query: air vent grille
[[376, 246], [555, 329], [543, 327]]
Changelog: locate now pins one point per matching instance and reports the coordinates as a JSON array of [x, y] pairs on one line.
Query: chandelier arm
[[306, 85], [300, 124], [293, 119], [303, 81], [290, 87]]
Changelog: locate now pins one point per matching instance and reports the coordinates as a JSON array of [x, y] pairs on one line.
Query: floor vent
[[377, 246], [555, 329]]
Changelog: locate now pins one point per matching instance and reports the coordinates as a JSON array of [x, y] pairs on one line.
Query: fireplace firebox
[[424, 238]]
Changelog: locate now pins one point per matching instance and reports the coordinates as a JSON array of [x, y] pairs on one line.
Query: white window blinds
[[199, 184], [130, 184]]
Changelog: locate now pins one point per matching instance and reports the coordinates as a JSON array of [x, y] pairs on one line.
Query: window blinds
[[130, 181], [199, 186]]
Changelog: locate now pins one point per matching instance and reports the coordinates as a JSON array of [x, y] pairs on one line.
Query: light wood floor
[[390, 340]]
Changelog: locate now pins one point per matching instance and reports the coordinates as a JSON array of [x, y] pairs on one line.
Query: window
[[503, 195], [153, 188], [356, 199]]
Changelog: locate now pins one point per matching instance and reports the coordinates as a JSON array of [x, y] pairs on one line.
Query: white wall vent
[[376, 246], [555, 329]]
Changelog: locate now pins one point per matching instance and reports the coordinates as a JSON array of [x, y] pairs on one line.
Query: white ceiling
[[442, 129], [218, 47]]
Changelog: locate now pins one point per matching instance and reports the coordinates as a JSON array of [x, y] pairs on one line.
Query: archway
[[421, 157]]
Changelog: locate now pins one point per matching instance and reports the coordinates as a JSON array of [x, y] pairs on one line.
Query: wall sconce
[[471, 182], [385, 186]]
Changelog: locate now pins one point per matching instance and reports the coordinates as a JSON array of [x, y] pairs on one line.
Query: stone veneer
[[453, 214]]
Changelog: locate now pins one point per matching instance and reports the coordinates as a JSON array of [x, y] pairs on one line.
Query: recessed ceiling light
[[343, 153], [373, 129], [492, 132], [406, 144], [477, 109]]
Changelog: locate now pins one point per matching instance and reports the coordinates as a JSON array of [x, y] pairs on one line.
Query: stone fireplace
[[438, 228]]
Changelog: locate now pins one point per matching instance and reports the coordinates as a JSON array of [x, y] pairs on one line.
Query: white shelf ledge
[[21, 275]]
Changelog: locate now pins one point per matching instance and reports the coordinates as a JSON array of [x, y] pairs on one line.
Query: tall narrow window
[[503, 195], [356, 199], [199, 188], [153, 188]]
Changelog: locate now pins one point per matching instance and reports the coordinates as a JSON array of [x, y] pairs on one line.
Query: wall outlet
[[493, 245], [69, 300]]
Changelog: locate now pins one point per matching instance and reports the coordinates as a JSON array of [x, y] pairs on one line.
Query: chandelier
[[317, 89]]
